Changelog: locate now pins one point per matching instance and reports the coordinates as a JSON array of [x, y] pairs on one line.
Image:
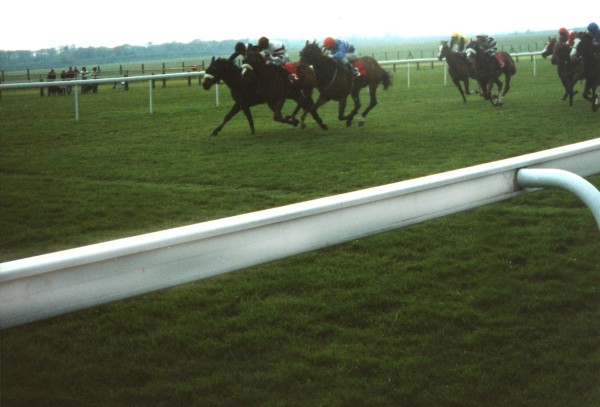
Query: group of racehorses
[[574, 63], [256, 82], [580, 61], [477, 64]]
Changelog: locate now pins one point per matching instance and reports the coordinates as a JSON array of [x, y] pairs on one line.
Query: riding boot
[[353, 70]]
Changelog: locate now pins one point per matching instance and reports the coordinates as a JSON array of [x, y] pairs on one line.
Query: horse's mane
[[311, 47]]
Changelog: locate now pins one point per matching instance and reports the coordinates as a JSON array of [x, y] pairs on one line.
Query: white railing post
[[150, 94], [75, 88]]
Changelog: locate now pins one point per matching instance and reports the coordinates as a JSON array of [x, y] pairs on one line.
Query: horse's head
[[443, 50], [549, 47], [216, 71], [584, 46], [310, 53]]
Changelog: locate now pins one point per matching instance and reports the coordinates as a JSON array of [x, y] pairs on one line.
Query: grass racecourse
[[498, 306]]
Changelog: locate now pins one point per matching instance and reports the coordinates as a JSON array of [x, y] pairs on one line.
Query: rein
[[335, 72]]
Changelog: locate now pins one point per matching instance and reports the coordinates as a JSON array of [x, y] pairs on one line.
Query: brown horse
[[589, 52], [336, 83], [306, 83], [247, 92], [300, 90], [459, 68], [488, 71], [569, 71]]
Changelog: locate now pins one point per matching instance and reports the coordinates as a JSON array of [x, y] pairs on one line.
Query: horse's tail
[[386, 80]]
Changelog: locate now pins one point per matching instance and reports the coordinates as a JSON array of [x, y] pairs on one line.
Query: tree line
[[77, 56]]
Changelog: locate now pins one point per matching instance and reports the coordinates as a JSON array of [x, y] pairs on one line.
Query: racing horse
[[589, 53], [459, 68], [300, 89], [488, 71], [335, 82], [244, 92], [569, 71]]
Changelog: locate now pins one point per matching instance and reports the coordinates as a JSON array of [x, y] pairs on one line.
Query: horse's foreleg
[[232, 112], [310, 104], [342, 108], [357, 104], [248, 113], [460, 89], [313, 110]]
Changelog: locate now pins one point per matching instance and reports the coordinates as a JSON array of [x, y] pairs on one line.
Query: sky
[[33, 25]]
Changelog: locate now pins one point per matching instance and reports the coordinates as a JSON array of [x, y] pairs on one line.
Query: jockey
[[563, 35], [273, 52], [343, 52], [459, 40], [594, 32], [239, 51], [489, 46], [566, 37]]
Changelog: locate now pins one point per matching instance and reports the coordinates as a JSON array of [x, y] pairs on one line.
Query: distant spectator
[[84, 74], [52, 90], [94, 75], [70, 75]]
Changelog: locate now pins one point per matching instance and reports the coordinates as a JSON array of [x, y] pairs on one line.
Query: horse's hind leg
[[372, 104], [278, 117]]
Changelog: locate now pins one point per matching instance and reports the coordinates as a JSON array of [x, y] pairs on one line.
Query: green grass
[[498, 306]]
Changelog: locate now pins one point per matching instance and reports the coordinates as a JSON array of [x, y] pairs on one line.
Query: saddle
[[358, 64], [500, 60], [293, 72]]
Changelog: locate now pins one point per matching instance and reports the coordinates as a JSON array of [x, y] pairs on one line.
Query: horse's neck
[[562, 53], [326, 67], [452, 57], [232, 76]]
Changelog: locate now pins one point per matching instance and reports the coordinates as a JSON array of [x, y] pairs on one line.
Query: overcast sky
[[111, 23]]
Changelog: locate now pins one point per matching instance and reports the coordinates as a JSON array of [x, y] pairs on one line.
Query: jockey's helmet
[[593, 27], [263, 43], [328, 42], [563, 31], [240, 48]]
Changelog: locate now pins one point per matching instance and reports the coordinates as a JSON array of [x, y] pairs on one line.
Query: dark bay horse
[[459, 68], [488, 71], [589, 53], [336, 83], [247, 92], [299, 90], [569, 71]]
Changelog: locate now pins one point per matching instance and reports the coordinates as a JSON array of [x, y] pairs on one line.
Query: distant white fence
[[180, 75], [52, 284]]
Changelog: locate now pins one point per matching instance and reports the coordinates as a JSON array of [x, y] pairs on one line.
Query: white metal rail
[[44, 286], [180, 75]]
